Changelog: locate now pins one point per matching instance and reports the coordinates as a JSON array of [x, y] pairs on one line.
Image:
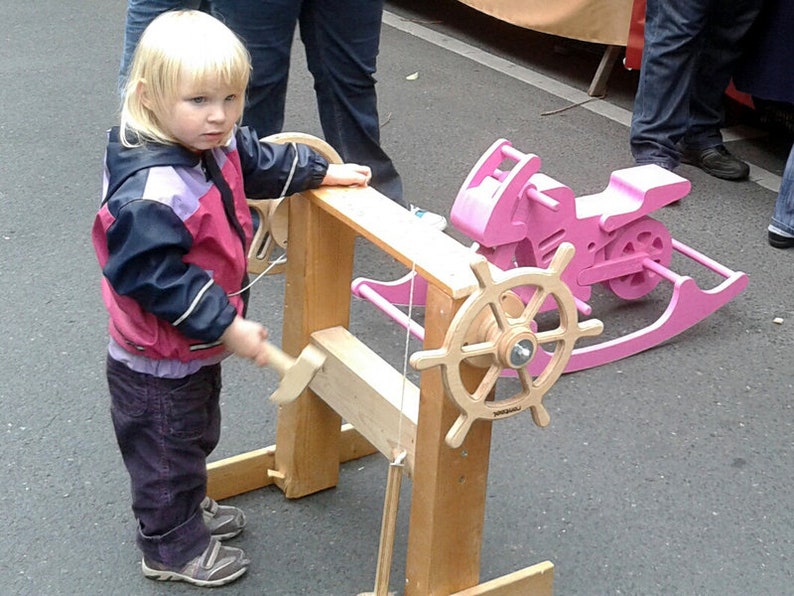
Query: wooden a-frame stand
[[448, 485]]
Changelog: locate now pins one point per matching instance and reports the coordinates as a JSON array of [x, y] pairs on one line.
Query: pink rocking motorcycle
[[518, 217]]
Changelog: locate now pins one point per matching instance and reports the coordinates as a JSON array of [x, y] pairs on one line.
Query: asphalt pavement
[[669, 472]]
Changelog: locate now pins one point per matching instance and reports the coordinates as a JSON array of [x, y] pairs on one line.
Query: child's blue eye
[[198, 100], [231, 97]]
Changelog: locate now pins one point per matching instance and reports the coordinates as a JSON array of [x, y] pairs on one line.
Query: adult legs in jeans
[[165, 430], [342, 39], [690, 50], [726, 28], [267, 27], [783, 217], [139, 14]]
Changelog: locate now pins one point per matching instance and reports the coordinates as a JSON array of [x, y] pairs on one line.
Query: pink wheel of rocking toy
[[645, 238]]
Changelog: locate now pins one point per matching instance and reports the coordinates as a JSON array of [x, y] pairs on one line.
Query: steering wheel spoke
[[487, 384], [534, 304], [474, 350], [552, 336]]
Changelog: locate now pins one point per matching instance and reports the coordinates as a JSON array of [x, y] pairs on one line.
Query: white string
[[282, 258], [400, 453], [278, 261], [292, 170]]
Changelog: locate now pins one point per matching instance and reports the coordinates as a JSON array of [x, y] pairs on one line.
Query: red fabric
[[636, 36], [636, 42]]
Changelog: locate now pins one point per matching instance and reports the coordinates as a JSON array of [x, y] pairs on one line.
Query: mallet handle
[[278, 359]]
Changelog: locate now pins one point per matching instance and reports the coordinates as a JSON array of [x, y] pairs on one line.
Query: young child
[[171, 237]]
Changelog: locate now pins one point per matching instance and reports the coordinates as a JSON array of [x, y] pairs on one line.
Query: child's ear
[[140, 90]]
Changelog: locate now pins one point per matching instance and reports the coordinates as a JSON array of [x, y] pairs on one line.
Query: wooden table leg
[[598, 86]]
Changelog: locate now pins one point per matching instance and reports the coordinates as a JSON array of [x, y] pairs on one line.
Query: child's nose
[[217, 113]]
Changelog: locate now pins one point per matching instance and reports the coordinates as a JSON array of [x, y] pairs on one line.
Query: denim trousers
[[691, 48], [165, 429], [341, 39], [783, 217], [139, 14]]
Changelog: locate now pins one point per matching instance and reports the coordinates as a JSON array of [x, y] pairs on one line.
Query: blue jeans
[[783, 217], [165, 429], [342, 40], [139, 14], [691, 48]]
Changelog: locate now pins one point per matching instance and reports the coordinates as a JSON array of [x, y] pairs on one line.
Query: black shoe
[[779, 241], [718, 162]]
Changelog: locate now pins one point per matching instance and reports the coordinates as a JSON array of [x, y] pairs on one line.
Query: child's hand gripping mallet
[[295, 373]]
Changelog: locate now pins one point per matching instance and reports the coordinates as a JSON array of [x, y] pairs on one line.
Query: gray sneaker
[[223, 521], [216, 566]]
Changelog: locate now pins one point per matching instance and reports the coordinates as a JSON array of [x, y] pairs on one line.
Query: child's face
[[203, 114]]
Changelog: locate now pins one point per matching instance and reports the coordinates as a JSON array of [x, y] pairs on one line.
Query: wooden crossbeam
[[440, 259], [536, 580], [368, 393], [255, 469]]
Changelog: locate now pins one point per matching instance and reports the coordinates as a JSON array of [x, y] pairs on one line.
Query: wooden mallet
[[295, 373]]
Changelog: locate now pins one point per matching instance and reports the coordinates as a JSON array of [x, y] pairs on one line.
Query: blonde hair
[[175, 45]]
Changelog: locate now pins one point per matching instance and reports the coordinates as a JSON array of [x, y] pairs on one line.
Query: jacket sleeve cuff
[[318, 172]]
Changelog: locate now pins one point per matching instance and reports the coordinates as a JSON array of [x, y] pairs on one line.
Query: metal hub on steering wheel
[[494, 329]]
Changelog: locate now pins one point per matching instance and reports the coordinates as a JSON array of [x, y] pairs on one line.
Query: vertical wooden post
[[449, 485], [317, 296], [391, 504]]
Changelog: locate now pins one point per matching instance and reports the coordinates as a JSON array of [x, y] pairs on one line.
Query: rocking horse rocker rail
[[688, 306]]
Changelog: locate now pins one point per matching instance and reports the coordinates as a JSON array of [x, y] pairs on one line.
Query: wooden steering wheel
[[493, 329], [270, 238]]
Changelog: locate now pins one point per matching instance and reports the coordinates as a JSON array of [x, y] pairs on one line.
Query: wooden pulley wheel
[[495, 330], [270, 238]]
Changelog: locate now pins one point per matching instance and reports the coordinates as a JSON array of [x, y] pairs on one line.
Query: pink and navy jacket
[[173, 242]]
